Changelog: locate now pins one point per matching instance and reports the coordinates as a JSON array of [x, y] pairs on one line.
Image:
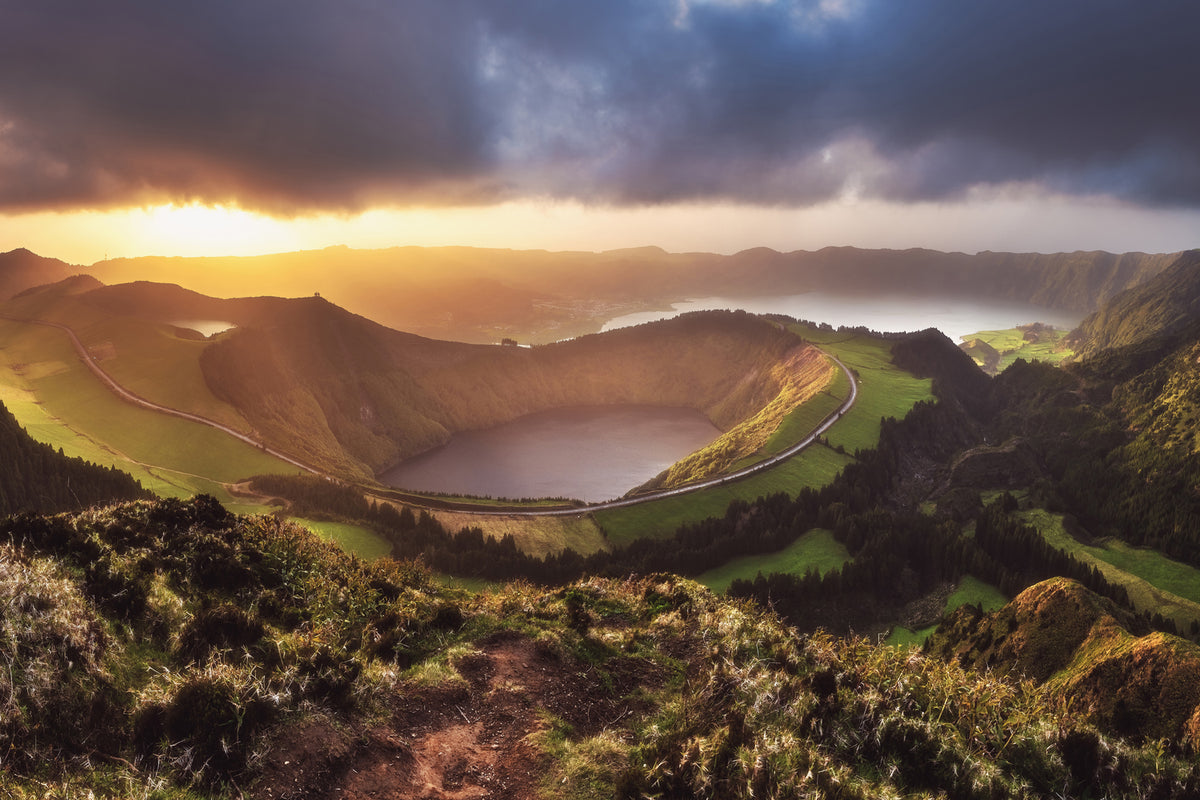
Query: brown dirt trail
[[452, 744]]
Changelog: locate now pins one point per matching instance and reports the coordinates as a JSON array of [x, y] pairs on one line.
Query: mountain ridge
[[1088, 653], [483, 295]]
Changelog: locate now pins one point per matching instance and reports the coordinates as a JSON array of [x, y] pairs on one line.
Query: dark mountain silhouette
[[20, 269]]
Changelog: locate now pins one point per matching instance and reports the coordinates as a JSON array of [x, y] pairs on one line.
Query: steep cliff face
[[1163, 306]]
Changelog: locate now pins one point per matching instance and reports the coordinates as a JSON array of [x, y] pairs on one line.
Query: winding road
[[491, 510], [120, 391], [720, 480]]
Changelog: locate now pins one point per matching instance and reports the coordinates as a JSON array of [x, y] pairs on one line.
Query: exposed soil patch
[[454, 744]]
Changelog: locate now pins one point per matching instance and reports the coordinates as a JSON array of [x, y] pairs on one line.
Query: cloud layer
[[295, 105]]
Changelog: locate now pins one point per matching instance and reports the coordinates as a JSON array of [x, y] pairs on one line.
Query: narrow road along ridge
[[507, 511]]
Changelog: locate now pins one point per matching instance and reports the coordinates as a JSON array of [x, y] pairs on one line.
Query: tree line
[[36, 477]]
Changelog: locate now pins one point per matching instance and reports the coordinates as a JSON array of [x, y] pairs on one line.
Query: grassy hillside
[[352, 397], [1086, 653], [171, 650], [801, 377], [36, 477], [885, 390], [63, 404], [993, 351], [815, 550]]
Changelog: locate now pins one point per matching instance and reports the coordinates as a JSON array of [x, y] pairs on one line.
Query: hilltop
[[1088, 654], [20, 270]]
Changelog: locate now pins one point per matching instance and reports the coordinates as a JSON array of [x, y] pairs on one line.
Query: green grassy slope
[[1155, 583], [995, 350], [816, 549], [884, 391], [1087, 652], [62, 403]]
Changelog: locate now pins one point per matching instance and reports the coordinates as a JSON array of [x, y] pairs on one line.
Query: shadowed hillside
[[1088, 653], [1158, 308], [21, 269]]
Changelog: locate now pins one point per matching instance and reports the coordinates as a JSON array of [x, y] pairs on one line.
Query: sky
[[139, 127]]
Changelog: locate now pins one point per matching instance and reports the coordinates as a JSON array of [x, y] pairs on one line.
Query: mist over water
[[954, 316], [591, 453], [205, 327]]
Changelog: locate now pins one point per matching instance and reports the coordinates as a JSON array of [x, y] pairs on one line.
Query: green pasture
[[816, 549], [354, 539], [60, 402], [1011, 344], [152, 361], [884, 391], [1155, 583], [903, 637], [815, 466], [801, 420], [970, 591], [537, 536]]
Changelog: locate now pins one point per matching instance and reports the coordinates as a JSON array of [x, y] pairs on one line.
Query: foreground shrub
[[53, 685], [200, 724]]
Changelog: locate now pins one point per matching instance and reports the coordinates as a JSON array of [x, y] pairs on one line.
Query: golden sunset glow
[[1043, 224]]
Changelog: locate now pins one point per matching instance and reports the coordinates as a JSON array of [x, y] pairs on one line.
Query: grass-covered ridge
[[1089, 655], [885, 391], [172, 650], [801, 376]]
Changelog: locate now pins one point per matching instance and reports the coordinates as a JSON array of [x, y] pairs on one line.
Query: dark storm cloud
[[299, 104]]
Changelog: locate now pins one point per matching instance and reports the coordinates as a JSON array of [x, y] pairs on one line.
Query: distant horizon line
[[632, 249]]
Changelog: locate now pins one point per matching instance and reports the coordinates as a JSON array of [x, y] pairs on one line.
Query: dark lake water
[[591, 453]]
